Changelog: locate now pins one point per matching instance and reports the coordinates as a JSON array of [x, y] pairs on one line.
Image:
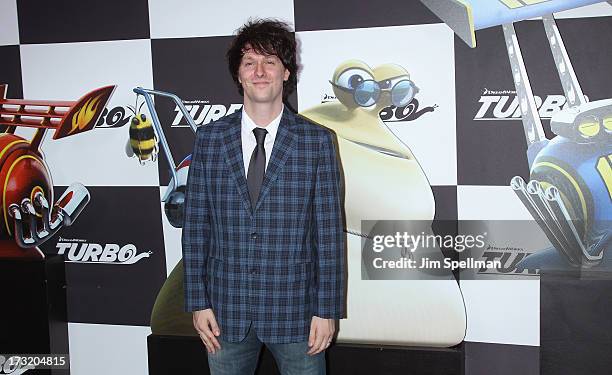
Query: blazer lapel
[[283, 146], [232, 147]]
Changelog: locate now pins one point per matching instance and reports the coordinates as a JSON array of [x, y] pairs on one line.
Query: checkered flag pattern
[[462, 128]]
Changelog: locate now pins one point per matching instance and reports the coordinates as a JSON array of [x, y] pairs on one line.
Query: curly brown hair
[[266, 37]]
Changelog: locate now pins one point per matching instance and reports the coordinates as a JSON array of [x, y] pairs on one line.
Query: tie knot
[[260, 135]]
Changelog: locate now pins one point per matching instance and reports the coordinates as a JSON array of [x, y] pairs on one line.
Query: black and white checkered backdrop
[[464, 131]]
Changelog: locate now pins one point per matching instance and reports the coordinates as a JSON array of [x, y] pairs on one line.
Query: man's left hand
[[321, 334]]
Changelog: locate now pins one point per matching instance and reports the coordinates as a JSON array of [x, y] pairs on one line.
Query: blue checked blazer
[[276, 264]]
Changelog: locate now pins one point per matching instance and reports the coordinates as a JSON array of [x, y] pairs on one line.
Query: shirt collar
[[248, 125]]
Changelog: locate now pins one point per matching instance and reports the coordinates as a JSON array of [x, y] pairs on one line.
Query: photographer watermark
[[411, 242], [469, 250]]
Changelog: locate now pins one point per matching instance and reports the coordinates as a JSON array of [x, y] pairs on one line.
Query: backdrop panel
[[82, 21], [491, 146], [104, 349], [347, 14], [115, 256], [427, 125], [68, 72], [499, 311], [10, 70], [203, 18], [8, 20]]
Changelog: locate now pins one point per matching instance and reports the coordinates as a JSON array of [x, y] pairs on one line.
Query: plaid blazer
[[276, 264]]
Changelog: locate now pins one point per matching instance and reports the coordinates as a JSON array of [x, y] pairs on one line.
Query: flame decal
[[83, 117]]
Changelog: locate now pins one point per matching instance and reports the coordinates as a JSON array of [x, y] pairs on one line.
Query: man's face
[[262, 77]]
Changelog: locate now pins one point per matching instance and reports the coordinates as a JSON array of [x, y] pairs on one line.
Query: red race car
[[29, 216]]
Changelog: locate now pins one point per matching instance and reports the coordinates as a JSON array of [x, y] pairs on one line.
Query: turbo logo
[[408, 112], [202, 112], [503, 105], [115, 118], [509, 260], [79, 251]]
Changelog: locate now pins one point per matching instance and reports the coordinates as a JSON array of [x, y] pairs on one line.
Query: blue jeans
[[241, 358]]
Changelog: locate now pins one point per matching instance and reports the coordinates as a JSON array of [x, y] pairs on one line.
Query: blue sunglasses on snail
[[367, 92]]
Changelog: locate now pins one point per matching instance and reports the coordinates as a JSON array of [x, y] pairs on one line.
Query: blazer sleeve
[[196, 230], [329, 235]]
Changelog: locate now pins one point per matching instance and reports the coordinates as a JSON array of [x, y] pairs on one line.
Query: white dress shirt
[[248, 138]]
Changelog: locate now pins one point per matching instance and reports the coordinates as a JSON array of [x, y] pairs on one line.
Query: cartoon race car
[[569, 194], [29, 215]]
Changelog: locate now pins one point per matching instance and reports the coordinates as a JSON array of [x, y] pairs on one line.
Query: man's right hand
[[206, 326]]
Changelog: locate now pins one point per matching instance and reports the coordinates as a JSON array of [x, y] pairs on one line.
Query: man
[[263, 241]]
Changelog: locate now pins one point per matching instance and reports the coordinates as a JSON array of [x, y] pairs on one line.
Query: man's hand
[[321, 334], [206, 326]]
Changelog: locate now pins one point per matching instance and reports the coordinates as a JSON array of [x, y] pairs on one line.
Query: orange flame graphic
[[83, 117]]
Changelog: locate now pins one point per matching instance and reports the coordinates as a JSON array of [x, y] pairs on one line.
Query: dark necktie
[[257, 166]]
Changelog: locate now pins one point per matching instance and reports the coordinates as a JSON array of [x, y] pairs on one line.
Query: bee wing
[[128, 149]]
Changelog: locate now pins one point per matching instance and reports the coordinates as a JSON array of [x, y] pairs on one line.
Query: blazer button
[[253, 235]]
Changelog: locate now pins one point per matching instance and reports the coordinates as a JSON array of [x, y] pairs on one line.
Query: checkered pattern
[[275, 264], [60, 50]]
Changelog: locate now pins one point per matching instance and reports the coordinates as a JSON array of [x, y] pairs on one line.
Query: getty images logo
[[80, 251], [202, 112], [503, 105]]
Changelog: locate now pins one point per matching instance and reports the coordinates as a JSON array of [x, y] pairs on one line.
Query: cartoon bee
[[143, 140]]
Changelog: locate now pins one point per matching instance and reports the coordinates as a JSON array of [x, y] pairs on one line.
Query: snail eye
[[353, 78], [135, 121], [143, 118], [386, 84], [403, 91]]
